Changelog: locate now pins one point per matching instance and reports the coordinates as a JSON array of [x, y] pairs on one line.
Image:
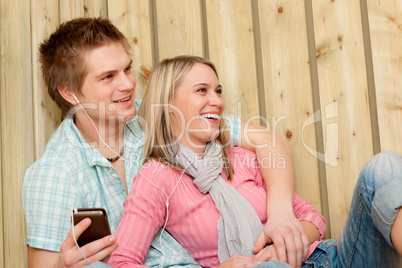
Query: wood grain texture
[[47, 116], [344, 102], [260, 49], [133, 19], [96, 8], [231, 49], [287, 87], [17, 142], [2, 82], [179, 29], [385, 20], [71, 9]]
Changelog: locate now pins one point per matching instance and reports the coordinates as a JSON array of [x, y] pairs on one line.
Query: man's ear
[[66, 93]]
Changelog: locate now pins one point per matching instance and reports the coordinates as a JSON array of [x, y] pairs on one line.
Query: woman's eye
[[128, 69], [202, 90], [219, 91]]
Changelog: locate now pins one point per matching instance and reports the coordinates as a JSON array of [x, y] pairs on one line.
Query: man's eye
[[107, 77]]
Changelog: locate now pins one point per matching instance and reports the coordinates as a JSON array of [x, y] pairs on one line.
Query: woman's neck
[[198, 148]]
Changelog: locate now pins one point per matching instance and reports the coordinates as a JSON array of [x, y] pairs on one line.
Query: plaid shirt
[[72, 174]]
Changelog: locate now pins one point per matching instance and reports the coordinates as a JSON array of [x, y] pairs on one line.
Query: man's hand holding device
[[99, 224], [92, 233]]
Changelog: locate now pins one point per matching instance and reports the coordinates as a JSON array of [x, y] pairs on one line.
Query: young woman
[[86, 67], [211, 198], [208, 195]]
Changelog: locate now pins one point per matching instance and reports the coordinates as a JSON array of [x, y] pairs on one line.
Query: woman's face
[[197, 107]]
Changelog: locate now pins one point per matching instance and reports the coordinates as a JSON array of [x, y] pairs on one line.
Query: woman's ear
[[170, 107], [66, 93]]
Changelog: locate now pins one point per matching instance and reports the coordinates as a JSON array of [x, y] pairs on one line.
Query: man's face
[[107, 93]]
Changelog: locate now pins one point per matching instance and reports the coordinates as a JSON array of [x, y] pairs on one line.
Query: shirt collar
[[74, 137]]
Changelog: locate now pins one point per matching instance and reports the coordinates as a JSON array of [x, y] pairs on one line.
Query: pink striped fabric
[[192, 217]]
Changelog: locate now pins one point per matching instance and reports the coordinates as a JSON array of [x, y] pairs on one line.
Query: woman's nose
[[215, 99]]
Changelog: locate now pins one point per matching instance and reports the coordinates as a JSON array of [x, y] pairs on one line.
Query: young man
[[95, 153]]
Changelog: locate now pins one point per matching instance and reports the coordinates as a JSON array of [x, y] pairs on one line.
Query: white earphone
[[75, 97], [167, 196]]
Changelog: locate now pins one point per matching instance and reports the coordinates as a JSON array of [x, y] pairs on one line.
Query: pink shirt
[[192, 217]]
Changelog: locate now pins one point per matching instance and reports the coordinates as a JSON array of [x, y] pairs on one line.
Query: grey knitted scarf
[[239, 224]]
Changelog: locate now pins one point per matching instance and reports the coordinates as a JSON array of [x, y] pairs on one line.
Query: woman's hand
[[239, 261], [267, 254], [288, 237]]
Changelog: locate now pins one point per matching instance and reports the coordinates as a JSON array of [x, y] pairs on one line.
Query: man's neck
[[103, 132]]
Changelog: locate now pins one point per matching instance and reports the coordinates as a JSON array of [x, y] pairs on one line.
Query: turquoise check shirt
[[72, 174]]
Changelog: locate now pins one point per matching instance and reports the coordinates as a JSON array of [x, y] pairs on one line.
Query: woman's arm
[[311, 230], [276, 167], [144, 213], [305, 212]]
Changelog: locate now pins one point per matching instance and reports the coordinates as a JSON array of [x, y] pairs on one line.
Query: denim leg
[[365, 237], [325, 255]]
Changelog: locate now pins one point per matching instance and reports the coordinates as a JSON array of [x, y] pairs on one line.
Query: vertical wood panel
[[47, 116], [344, 101], [132, 18], [81, 8], [231, 49], [96, 8], [271, 76], [71, 9], [287, 86], [385, 20], [2, 82], [17, 144], [179, 29]]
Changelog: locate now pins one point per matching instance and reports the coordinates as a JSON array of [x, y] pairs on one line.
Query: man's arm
[[41, 258], [69, 255], [276, 167]]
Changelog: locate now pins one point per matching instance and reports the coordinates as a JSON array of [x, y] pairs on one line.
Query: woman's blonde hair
[[154, 116]]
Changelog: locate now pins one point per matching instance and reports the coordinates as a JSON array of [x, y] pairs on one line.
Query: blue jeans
[[365, 238]]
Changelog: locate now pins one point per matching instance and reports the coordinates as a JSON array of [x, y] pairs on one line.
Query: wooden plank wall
[[17, 142], [324, 74], [342, 83]]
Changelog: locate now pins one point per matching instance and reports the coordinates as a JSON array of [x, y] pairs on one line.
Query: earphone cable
[[75, 240], [97, 131], [167, 197]]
